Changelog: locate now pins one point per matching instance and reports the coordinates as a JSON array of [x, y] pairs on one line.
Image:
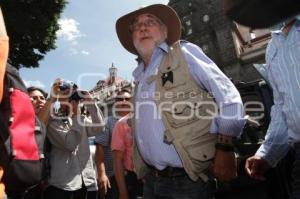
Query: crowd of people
[[172, 136]]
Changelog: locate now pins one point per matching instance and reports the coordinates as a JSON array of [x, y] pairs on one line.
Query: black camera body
[[65, 85]]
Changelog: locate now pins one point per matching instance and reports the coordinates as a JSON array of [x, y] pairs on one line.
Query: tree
[[31, 26]]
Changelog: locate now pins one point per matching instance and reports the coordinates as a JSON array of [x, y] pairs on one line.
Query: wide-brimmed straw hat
[[165, 13]]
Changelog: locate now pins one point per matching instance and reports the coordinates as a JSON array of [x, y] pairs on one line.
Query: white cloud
[[85, 52], [69, 30], [35, 83]]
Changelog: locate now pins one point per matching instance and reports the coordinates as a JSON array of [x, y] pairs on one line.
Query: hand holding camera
[[60, 92], [62, 88]]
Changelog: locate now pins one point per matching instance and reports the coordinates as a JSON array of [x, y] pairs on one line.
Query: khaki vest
[[186, 112]]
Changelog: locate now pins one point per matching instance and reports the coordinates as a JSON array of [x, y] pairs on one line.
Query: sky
[[87, 45]]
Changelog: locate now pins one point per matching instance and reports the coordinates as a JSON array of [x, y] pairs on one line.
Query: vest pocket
[[189, 110], [201, 150]]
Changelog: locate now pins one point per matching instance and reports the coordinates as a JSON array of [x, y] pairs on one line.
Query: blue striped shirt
[[283, 73], [150, 128], [104, 139]]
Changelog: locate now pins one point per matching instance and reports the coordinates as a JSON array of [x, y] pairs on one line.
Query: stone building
[[234, 48], [106, 90]]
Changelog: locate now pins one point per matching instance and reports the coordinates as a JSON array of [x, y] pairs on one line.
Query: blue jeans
[[180, 187]]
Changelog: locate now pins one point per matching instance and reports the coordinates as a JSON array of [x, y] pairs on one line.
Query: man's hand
[[225, 166], [256, 167], [56, 92], [104, 184]]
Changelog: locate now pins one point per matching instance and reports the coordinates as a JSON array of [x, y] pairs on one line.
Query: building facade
[[106, 90], [232, 47]]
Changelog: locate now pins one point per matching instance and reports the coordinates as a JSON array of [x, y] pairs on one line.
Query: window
[[205, 48], [188, 22]]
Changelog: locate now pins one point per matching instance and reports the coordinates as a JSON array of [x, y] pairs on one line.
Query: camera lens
[[64, 85]]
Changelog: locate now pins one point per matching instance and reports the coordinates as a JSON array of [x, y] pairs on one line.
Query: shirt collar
[[296, 24], [163, 47], [138, 71]]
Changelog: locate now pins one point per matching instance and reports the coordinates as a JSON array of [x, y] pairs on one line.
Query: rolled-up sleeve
[[275, 146], [231, 118]]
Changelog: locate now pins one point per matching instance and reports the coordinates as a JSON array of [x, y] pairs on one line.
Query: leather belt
[[169, 172]]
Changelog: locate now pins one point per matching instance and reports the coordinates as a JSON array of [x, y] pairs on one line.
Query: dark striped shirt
[[104, 139]]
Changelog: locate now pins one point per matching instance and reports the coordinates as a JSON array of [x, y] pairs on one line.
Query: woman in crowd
[[38, 97]]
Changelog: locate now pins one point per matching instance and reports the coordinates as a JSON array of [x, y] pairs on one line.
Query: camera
[[65, 85]]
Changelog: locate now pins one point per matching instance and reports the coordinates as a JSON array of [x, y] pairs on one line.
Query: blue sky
[[87, 45]]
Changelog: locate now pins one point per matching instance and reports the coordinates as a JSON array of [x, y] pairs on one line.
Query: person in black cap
[[283, 134]]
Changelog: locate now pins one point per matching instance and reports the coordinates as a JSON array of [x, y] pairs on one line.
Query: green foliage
[[31, 26]]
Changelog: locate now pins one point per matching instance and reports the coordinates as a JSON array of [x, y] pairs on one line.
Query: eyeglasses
[[147, 23], [120, 99]]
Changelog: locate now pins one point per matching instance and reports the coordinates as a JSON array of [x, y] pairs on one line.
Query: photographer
[[72, 171]]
